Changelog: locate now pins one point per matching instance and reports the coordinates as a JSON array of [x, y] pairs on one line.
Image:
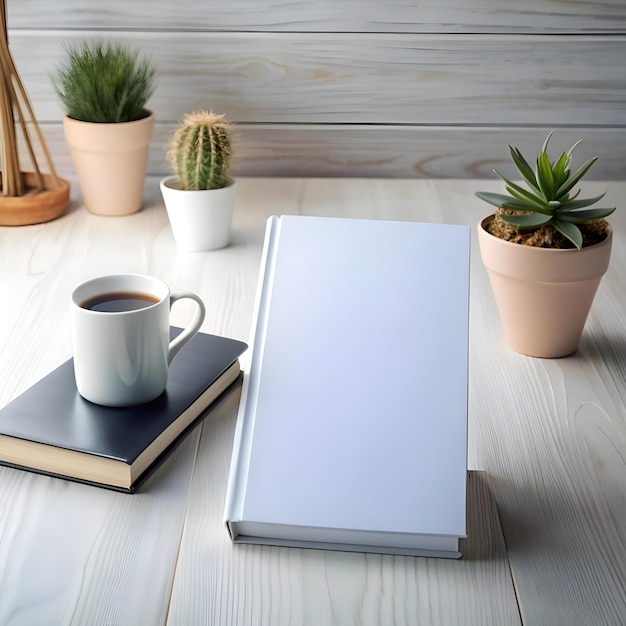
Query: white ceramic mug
[[121, 337]]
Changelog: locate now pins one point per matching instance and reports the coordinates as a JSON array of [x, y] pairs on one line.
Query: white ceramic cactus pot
[[200, 220]]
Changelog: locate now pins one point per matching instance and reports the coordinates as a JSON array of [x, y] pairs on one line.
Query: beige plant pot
[[110, 162], [543, 295]]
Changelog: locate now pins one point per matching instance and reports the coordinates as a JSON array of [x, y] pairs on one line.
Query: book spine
[[240, 459]]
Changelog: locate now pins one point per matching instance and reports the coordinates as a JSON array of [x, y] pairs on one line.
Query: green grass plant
[[104, 82]]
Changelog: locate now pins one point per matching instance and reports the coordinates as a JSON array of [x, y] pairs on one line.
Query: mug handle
[[192, 328]]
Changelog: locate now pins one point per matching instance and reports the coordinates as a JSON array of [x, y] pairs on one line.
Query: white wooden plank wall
[[359, 87]]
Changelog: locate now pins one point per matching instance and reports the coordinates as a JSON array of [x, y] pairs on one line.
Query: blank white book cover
[[354, 408]]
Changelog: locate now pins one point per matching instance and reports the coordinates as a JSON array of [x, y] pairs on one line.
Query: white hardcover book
[[352, 427]]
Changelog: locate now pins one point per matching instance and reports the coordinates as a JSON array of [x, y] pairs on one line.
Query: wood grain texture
[[551, 435], [384, 152], [479, 16], [369, 105], [533, 462], [559, 471], [73, 554], [308, 587], [343, 88], [362, 79]]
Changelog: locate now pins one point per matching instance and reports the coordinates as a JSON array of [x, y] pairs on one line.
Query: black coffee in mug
[[120, 323], [119, 301]]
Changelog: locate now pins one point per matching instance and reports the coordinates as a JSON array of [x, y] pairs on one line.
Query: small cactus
[[201, 151]]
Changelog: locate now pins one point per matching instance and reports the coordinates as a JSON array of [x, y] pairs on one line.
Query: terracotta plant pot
[[200, 220], [110, 162], [543, 295], [35, 208]]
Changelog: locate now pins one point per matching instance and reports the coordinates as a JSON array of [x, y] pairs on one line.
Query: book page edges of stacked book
[[102, 470], [345, 540]]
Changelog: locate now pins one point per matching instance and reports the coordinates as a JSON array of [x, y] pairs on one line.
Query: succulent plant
[[201, 151], [104, 83], [549, 200]]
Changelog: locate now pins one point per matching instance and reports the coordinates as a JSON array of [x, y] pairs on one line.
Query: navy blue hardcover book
[[52, 429]]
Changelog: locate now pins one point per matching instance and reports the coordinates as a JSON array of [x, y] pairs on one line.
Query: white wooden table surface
[[550, 436]]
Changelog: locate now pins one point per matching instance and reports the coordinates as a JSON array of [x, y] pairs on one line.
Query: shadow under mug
[[121, 357]]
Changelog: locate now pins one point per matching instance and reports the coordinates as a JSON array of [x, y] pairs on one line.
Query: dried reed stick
[[14, 100]]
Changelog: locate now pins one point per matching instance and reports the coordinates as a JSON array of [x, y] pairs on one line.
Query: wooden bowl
[[35, 207]]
